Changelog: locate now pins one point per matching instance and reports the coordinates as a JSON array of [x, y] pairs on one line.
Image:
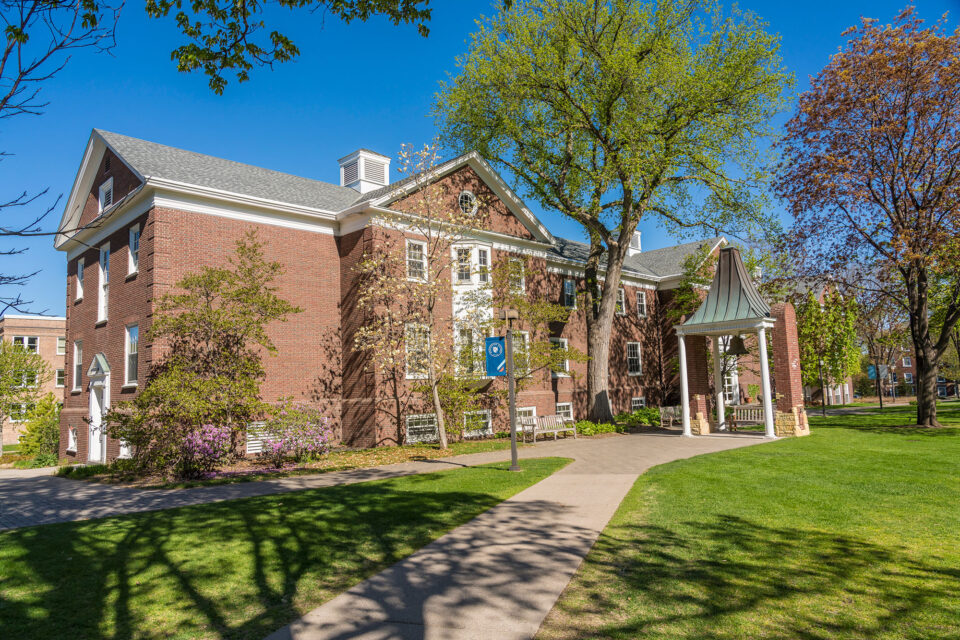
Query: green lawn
[[852, 532], [238, 569]]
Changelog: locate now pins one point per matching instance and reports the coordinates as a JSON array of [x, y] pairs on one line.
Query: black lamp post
[[510, 315]]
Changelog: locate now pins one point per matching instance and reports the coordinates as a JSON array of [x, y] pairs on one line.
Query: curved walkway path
[[495, 577]]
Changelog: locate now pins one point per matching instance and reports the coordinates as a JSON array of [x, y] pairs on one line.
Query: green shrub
[[587, 428], [643, 416], [41, 434]]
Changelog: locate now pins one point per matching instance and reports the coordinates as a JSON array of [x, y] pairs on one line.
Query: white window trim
[[72, 439], [106, 185], [57, 384], [565, 281], [621, 306], [77, 365], [526, 342], [641, 297], [63, 351], [457, 281], [642, 403], [532, 410], [478, 433], [133, 261], [406, 351], [417, 416], [483, 270], [563, 342], [907, 361], [81, 264], [103, 283], [523, 273], [639, 357], [127, 382], [26, 340], [423, 260], [558, 410]]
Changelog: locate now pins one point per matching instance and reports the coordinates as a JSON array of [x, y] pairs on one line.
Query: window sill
[[635, 375], [78, 300], [76, 391], [130, 385], [559, 375], [73, 451], [100, 323], [131, 275], [58, 386]]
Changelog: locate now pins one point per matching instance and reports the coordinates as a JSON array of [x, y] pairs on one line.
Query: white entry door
[[97, 442]]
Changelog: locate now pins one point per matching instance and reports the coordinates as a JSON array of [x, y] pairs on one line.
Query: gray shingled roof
[[160, 161], [658, 263], [382, 191], [732, 295]]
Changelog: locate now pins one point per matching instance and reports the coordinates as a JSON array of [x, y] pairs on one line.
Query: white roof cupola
[[634, 247], [364, 170]]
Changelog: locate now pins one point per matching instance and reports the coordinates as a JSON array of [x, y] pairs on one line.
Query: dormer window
[[106, 194]]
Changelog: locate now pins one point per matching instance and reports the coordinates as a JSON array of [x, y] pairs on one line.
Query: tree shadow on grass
[[731, 578], [239, 569]]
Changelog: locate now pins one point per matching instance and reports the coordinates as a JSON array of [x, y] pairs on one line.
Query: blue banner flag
[[496, 352]]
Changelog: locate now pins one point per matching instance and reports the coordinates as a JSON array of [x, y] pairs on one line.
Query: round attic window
[[468, 203]]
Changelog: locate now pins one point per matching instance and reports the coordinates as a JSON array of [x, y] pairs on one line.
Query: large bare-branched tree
[[616, 111], [871, 171]]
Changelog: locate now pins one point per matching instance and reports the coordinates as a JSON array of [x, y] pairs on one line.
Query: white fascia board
[[489, 176], [239, 198], [724, 328]]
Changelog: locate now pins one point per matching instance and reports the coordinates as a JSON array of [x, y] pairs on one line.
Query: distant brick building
[[142, 215], [45, 335]]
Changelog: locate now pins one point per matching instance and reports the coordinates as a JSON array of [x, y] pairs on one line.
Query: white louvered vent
[[375, 171], [351, 172]]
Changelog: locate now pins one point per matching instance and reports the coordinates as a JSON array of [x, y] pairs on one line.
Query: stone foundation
[[793, 423]]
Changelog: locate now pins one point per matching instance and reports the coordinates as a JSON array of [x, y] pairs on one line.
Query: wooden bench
[[744, 414], [669, 414], [537, 425]]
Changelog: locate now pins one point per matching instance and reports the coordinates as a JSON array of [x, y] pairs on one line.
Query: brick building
[[142, 215], [46, 336]]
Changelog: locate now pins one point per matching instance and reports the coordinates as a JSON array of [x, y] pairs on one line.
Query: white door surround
[[99, 374]]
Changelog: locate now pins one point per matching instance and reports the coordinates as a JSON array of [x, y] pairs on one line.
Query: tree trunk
[[876, 364], [441, 423], [823, 390], [599, 316]]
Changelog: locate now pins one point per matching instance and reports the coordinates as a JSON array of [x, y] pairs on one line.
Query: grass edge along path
[[233, 569], [852, 532]]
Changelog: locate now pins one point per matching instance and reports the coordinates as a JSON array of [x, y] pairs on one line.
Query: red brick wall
[[124, 181], [786, 353]]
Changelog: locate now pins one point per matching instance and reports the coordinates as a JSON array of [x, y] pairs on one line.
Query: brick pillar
[[699, 384], [786, 359]]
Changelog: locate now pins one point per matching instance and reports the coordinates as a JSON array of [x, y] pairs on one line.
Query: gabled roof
[[658, 263], [152, 160], [732, 297]]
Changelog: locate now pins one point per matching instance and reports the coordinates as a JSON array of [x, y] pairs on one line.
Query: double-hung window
[[29, 343], [521, 352], [81, 263], [61, 378], [570, 293], [634, 363], [637, 403], [641, 303], [422, 428], [908, 377], [483, 261], [133, 250], [416, 260], [131, 349], [77, 364], [417, 345], [621, 301], [907, 361], [517, 276], [61, 345], [560, 368], [463, 265], [104, 283], [564, 410], [477, 424], [467, 351]]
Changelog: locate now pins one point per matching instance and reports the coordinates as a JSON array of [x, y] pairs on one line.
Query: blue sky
[[361, 85]]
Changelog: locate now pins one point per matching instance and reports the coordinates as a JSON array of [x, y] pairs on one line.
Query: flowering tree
[[405, 293], [827, 335], [22, 374], [871, 172]]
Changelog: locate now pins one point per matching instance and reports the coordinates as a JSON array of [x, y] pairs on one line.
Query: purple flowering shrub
[[296, 431], [204, 450]]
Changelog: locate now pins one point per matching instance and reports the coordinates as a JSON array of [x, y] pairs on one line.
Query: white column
[[718, 385], [765, 382], [684, 389]]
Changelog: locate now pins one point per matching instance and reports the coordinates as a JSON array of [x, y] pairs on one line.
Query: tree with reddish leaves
[[871, 171]]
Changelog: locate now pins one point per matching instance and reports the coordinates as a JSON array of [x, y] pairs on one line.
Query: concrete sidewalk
[[500, 574]]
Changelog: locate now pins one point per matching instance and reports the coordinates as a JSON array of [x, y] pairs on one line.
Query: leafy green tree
[[612, 112], [22, 374], [828, 340], [41, 433], [882, 331], [213, 331]]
